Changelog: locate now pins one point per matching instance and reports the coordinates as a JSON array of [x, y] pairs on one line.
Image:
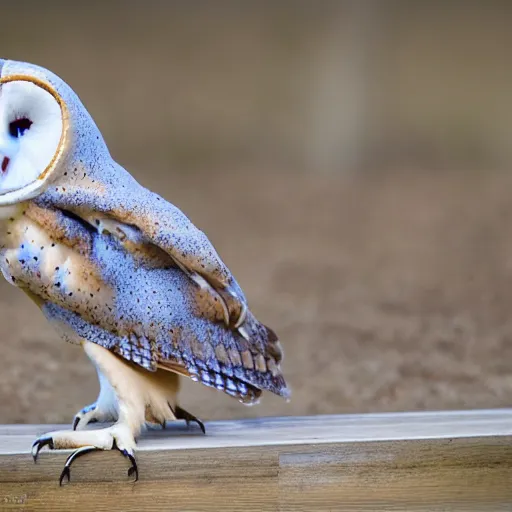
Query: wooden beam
[[411, 461]]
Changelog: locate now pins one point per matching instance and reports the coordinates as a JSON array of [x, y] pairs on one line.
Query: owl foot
[[181, 414], [117, 436], [91, 414]]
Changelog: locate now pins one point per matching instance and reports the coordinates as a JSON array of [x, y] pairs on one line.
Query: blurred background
[[349, 160]]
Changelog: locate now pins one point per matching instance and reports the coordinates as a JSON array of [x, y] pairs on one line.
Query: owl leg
[[102, 411], [132, 392]]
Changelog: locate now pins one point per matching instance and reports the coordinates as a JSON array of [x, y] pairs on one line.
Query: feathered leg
[[102, 411], [137, 391]]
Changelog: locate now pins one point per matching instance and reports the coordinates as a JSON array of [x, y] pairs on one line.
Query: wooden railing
[[412, 461]]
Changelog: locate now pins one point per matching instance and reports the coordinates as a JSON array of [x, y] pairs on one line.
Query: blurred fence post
[[341, 68]]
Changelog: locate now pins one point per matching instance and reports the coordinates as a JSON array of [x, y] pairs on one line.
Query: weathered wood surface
[[413, 461]]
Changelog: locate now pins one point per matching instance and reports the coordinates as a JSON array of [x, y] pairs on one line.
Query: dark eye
[[19, 127]]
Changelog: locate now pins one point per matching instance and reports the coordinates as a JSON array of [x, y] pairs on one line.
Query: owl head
[[43, 128]]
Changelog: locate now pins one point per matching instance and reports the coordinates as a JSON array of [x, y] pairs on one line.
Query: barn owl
[[117, 270]]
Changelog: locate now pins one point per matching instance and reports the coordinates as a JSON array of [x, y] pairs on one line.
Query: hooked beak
[[8, 150]]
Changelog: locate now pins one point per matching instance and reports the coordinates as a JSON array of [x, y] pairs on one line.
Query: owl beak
[[5, 163], [8, 150]]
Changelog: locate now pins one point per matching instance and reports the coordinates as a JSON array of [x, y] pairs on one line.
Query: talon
[[84, 414], [181, 414], [88, 441], [66, 472], [41, 443], [133, 469]]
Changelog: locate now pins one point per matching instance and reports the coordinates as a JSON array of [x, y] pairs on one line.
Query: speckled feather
[[112, 262]]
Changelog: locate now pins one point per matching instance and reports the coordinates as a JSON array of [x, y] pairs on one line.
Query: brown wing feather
[[228, 361]]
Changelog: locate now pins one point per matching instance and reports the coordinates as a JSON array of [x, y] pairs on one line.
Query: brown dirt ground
[[389, 293]]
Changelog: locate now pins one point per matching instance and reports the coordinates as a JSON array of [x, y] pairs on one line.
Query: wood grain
[[411, 461]]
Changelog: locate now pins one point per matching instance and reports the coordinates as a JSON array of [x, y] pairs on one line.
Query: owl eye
[[18, 127]]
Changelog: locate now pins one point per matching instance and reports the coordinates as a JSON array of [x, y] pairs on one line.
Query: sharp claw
[[181, 414], [40, 443], [65, 473], [199, 423], [133, 469], [81, 414], [201, 426]]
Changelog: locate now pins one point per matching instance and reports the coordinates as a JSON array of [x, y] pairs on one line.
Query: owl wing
[[167, 227], [248, 352], [116, 194]]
